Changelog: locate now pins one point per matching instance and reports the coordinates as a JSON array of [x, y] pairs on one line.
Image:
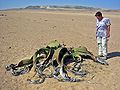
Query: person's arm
[[108, 31], [108, 27]]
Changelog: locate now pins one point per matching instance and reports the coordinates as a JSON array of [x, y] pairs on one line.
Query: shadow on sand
[[113, 54]]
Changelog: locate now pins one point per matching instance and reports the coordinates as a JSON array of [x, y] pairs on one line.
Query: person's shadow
[[113, 54]]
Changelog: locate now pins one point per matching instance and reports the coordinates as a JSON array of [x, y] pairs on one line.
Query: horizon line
[[56, 5]]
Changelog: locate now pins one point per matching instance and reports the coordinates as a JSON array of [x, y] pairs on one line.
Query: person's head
[[99, 15]]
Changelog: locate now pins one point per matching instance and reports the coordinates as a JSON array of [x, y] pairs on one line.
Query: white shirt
[[101, 27]]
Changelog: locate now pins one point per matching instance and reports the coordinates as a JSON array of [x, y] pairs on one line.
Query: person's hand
[[108, 35], [108, 31], [107, 39]]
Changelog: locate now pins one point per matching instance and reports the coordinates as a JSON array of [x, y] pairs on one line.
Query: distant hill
[[65, 7], [60, 7]]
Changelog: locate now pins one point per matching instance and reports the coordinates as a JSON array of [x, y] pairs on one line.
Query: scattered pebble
[[10, 47], [3, 15], [45, 20]]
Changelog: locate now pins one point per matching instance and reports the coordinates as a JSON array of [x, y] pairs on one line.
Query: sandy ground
[[23, 32]]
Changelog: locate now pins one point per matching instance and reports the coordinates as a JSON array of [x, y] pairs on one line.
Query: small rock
[[10, 47], [45, 20]]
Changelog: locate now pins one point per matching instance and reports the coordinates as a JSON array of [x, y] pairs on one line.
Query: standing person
[[102, 34]]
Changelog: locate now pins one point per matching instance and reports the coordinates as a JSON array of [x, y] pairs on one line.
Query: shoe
[[100, 55], [104, 57]]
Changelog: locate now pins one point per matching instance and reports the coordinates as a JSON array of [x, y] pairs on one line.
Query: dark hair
[[98, 13]]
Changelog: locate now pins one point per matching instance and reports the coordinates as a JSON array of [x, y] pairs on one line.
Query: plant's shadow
[[113, 54]]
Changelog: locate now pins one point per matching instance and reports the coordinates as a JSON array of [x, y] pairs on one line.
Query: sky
[[106, 4]]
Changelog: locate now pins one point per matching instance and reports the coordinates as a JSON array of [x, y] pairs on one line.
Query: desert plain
[[22, 32]]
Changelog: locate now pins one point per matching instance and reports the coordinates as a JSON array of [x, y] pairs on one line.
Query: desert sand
[[22, 32]]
